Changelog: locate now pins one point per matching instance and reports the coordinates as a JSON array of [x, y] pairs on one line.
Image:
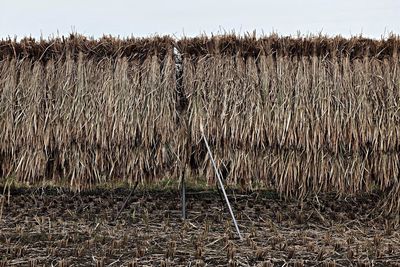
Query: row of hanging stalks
[[300, 115]]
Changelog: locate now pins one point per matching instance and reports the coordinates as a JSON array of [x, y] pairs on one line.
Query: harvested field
[[56, 228]]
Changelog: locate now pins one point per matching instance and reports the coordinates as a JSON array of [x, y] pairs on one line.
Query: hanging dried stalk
[[299, 115]]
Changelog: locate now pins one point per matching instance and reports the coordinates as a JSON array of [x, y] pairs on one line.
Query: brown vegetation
[[299, 115], [86, 111]]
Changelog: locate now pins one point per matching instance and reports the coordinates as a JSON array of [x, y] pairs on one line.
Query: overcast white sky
[[372, 18]]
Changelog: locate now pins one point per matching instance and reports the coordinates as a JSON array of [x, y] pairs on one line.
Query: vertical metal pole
[[221, 185], [183, 197]]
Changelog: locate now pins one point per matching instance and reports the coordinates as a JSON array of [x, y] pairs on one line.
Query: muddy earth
[[52, 227]]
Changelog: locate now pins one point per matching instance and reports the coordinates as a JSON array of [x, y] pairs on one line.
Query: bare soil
[[57, 228]]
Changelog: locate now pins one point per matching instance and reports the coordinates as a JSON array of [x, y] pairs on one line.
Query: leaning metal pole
[[220, 182]]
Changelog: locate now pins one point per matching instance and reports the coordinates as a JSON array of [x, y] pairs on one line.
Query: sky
[[124, 18]]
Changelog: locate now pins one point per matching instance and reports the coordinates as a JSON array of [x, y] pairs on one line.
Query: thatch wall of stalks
[[296, 114], [79, 112]]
